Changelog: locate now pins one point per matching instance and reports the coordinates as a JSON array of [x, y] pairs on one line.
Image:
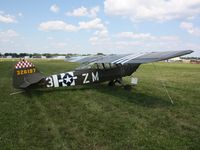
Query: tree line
[[47, 55], [37, 55]]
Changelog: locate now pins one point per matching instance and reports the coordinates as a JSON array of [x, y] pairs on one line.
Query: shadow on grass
[[132, 96], [136, 97]]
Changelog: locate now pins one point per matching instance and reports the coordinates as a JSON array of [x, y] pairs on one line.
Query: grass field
[[102, 117]]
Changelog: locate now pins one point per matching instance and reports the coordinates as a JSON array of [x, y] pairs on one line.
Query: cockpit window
[[94, 66], [100, 66], [97, 66], [105, 66]]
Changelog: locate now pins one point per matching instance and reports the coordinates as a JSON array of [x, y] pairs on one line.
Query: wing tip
[[183, 52], [190, 51]]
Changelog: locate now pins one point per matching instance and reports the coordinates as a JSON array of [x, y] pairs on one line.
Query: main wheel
[[127, 87], [111, 83]]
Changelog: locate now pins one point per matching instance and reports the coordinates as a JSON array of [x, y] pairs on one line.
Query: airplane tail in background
[[25, 74]]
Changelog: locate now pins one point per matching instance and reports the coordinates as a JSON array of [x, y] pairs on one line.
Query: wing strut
[[163, 84]]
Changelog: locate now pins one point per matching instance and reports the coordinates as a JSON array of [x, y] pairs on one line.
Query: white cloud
[[54, 8], [93, 24], [129, 42], [190, 28], [57, 25], [6, 18], [83, 11], [169, 38], [100, 36], [161, 10], [145, 37], [102, 33], [8, 35], [93, 11], [61, 25], [135, 35]]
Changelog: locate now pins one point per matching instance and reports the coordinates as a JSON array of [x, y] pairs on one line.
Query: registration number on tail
[[26, 71]]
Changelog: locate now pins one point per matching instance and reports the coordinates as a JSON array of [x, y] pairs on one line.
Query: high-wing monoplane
[[94, 69]]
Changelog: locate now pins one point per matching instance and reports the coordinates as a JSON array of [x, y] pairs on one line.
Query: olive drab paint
[[105, 68], [71, 79]]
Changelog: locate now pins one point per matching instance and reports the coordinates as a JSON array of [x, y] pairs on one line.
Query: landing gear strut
[[113, 82], [119, 81]]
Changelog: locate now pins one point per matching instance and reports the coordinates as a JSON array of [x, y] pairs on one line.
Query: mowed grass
[[102, 117]]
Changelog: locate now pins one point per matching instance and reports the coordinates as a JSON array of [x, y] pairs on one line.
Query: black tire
[[111, 83], [127, 87]]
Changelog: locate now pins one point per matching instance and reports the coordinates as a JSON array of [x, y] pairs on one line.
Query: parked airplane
[[109, 68]]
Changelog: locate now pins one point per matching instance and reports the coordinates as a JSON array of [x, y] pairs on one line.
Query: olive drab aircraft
[[95, 69]]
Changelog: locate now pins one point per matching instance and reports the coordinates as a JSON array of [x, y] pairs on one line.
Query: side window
[[103, 66], [107, 66], [94, 66], [112, 65], [100, 66]]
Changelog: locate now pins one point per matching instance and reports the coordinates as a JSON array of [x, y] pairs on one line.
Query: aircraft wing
[[85, 59], [139, 58]]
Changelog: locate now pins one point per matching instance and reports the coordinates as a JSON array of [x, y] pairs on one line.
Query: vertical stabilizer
[[25, 74]]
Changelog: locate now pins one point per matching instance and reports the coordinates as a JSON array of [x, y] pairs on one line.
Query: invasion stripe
[[128, 58], [135, 56], [121, 59]]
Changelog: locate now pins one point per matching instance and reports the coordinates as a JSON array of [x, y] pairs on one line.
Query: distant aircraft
[[95, 69]]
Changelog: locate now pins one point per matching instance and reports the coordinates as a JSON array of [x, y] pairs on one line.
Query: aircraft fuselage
[[89, 76]]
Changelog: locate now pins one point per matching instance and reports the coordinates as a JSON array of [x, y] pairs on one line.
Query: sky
[[99, 26]]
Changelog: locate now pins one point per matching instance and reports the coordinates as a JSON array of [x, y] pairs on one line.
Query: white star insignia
[[68, 79]]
